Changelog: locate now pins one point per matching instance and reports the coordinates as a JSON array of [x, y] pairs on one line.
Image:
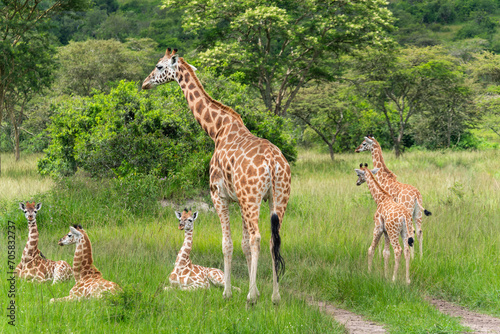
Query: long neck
[[31, 248], [376, 190], [212, 115], [183, 256], [83, 261], [378, 162]]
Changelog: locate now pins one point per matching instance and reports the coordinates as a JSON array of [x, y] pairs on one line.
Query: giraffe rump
[[279, 262]]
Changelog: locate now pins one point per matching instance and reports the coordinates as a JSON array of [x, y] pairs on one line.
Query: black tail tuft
[[427, 213], [410, 241], [279, 263]]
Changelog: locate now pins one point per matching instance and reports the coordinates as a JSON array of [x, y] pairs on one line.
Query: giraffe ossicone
[[186, 275], [34, 265], [391, 219], [402, 193], [89, 282], [244, 168]]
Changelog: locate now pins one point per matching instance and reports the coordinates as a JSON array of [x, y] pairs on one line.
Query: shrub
[[129, 132]]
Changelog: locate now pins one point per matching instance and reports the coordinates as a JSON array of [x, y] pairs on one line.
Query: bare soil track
[[479, 323], [354, 323]]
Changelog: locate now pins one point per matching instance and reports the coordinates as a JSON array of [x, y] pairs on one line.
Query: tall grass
[[20, 180], [325, 236]]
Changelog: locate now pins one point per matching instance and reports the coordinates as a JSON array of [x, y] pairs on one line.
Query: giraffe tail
[[410, 232], [421, 207], [279, 262]]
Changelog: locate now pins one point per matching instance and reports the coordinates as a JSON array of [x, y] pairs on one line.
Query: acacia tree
[[485, 70], [326, 108], [22, 26], [407, 82], [278, 46]]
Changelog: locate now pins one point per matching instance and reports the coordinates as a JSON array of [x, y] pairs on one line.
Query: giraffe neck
[[212, 115], [31, 248], [83, 261], [384, 173], [183, 257], [378, 193]]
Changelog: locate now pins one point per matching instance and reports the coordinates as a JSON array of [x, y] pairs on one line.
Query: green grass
[[325, 237]]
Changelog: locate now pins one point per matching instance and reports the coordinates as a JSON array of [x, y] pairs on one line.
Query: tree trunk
[[397, 147], [16, 138], [332, 154]]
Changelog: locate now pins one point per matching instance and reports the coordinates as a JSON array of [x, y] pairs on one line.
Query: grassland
[[326, 234]]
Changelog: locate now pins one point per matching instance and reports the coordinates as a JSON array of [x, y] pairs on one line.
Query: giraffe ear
[[368, 140], [194, 68], [74, 230], [38, 206], [22, 206], [195, 215], [375, 171], [178, 215], [359, 172]]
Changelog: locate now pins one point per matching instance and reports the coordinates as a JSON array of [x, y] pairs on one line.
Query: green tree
[[406, 82], [89, 65], [22, 37], [485, 70], [279, 46], [327, 109]]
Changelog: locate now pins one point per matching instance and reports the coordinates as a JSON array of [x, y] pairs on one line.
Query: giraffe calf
[[391, 219], [186, 275], [89, 280], [34, 266]]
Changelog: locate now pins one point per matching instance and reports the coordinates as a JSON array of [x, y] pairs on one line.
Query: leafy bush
[[129, 132]]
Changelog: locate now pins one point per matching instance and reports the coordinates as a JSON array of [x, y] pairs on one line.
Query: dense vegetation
[[422, 75]]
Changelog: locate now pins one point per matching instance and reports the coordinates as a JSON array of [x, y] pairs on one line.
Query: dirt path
[[479, 323], [354, 323]]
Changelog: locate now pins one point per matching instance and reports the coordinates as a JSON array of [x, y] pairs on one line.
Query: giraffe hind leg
[[216, 277]]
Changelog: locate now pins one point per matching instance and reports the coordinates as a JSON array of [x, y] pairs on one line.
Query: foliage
[[127, 132], [327, 109], [414, 81], [93, 64], [278, 46]]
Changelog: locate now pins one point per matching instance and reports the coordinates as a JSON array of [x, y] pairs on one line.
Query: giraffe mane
[[376, 182], [387, 170], [225, 108]]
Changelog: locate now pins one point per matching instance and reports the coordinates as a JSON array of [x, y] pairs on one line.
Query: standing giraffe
[[402, 193], [186, 275], [244, 168], [392, 219], [89, 281], [35, 266]]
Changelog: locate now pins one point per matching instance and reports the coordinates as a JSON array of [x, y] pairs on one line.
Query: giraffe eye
[[35, 211], [69, 235], [159, 67]]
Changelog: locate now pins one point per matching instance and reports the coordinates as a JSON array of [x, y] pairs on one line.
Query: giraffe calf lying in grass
[[89, 281], [186, 275], [391, 219], [34, 266]]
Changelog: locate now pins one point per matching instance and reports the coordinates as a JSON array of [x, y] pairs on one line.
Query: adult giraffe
[[244, 168]]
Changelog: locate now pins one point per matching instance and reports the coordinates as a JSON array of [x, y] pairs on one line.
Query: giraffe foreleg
[[377, 233]]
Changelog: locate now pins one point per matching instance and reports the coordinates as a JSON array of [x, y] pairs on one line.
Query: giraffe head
[[362, 173], [366, 145], [165, 70], [30, 210], [74, 236], [186, 219]]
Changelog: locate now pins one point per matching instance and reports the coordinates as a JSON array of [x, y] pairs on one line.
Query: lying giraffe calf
[[89, 281], [186, 275], [34, 266]]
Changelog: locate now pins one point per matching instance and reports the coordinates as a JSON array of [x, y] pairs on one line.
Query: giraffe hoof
[[276, 299], [227, 295]]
